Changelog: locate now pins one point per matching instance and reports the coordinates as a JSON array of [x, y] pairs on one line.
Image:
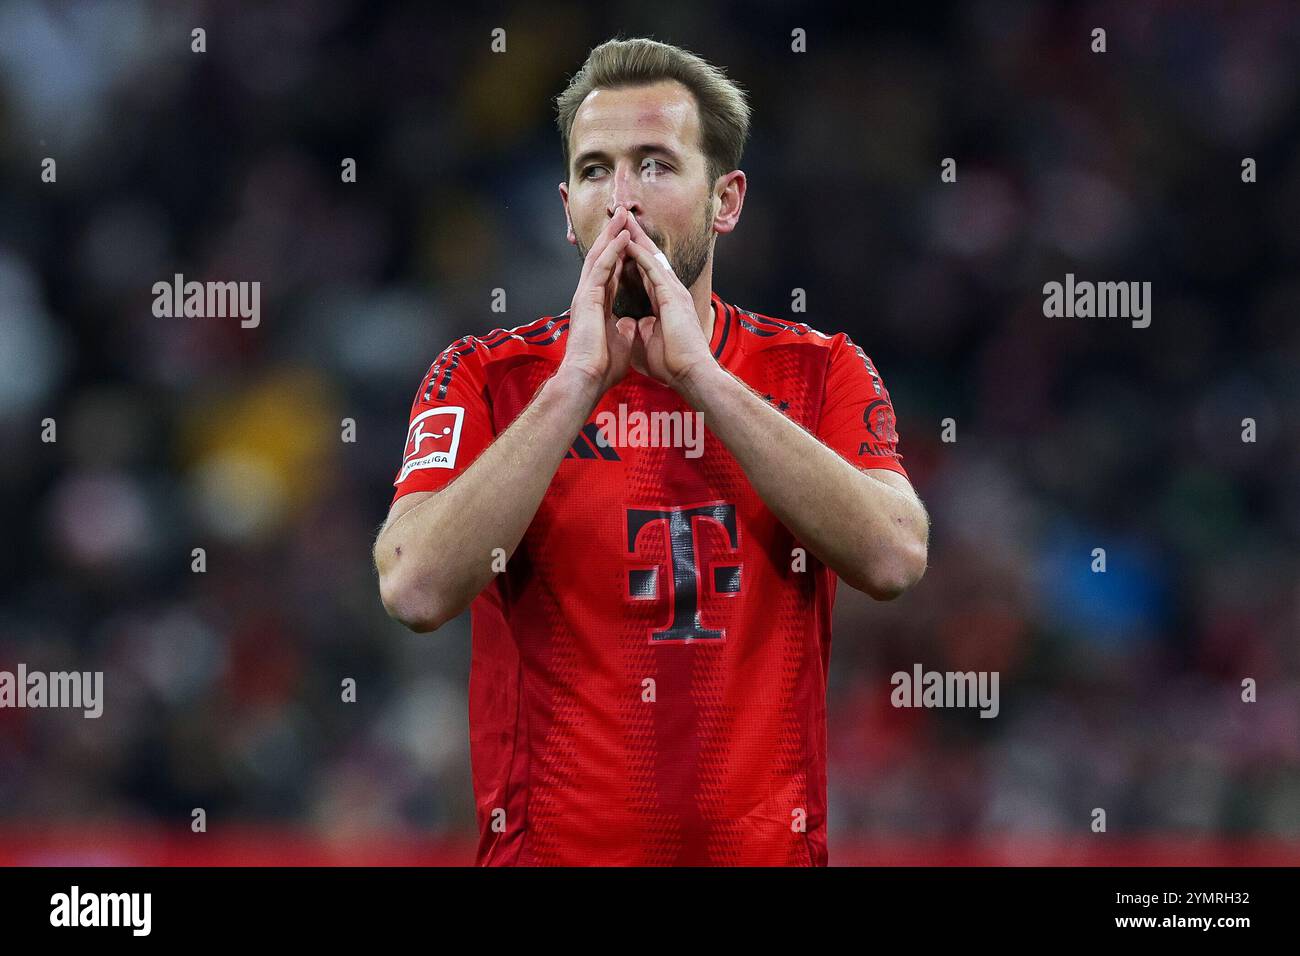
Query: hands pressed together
[[601, 345]]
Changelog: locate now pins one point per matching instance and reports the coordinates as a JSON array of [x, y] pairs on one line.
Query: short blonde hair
[[724, 111]]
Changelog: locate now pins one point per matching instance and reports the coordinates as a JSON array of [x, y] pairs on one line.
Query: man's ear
[[568, 220], [729, 197]]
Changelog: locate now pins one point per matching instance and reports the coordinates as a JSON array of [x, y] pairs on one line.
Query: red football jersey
[[648, 676]]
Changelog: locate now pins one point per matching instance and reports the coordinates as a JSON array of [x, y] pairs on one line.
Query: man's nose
[[627, 191]]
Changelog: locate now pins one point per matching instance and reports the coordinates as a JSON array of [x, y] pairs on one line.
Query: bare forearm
[[442, 550], [870, 534]]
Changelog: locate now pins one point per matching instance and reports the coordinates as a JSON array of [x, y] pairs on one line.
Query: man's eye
[[653, 166], [588, 170]]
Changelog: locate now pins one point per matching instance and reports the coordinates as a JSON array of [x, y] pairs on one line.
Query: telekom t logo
[[678, 525]]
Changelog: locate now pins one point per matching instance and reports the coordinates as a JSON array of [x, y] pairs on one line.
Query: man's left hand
[[675, 345]]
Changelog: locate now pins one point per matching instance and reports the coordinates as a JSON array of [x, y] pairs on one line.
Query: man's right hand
[[600, 346]]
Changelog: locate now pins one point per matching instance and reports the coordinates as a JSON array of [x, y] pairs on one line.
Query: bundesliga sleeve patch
[[432, 440]]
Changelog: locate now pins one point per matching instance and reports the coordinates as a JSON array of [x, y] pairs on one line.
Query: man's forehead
[[666, 109]]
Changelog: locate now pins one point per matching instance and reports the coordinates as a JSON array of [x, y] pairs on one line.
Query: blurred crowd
[[1120, 690]]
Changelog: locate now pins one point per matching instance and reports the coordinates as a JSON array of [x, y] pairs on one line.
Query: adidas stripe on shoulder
[[543, 331]]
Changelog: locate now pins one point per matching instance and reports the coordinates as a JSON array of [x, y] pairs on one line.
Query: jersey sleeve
[[450, 422], [857, 416]]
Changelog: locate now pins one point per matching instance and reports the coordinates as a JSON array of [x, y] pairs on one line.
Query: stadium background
[[1118, 690]]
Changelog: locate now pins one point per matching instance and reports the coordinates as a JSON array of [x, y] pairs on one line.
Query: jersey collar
[[723, 319]]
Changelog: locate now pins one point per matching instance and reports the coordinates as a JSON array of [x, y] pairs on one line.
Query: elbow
[[414, 608], [425, 623], [888, 579]]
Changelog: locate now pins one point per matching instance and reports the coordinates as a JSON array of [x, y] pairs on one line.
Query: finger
[[643, 255], [603, 239], [651, 290], [616, 222], [603, 268], [639, 234], [619, 339], [626, 329], [611, 284], [617, 272], [656, 273], [654, 344], [642, 238]]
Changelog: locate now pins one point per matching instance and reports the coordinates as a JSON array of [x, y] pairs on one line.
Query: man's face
[[639, 146]]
